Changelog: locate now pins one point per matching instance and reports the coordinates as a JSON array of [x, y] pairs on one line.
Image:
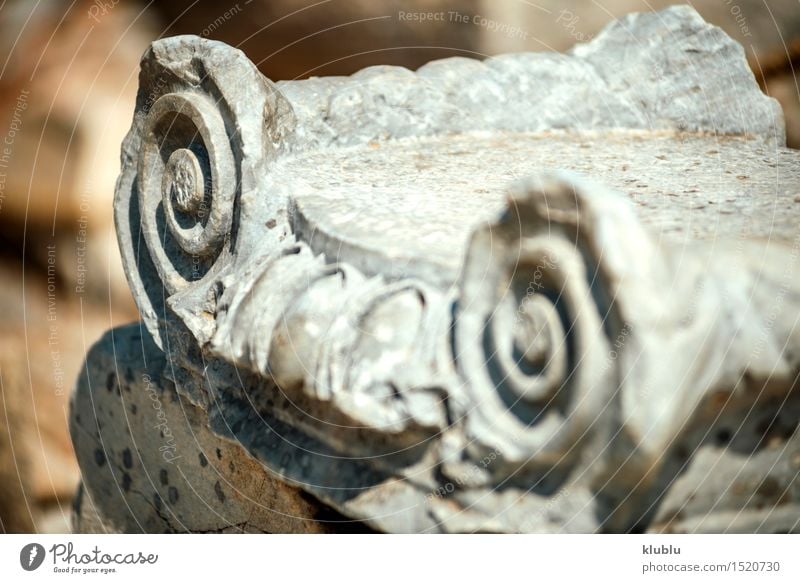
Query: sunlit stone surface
[[540, 293]]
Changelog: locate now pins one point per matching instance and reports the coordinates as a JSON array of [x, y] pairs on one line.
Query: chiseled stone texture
[[664, 70], [148, 458]]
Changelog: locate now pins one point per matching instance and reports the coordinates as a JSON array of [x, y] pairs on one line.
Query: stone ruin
[[536, 293]]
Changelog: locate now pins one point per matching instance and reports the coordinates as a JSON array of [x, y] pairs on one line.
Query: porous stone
[[150, 463]]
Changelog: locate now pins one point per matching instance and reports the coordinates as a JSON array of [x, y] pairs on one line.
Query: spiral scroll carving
[[530, 334], [187, 187], [207, 124]]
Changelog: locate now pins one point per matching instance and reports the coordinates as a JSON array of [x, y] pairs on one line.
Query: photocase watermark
[[569, 21], [618, 344], [65, 559], [422, 16], [741, 20], [219, 21], [198, 270], [535, 285], [534, 519], [777, 307], [32, 556], [81, 238], [156, 91], [474, 473], [52, 322], [6, 148], [100, 8], [169, 449], [455, 17]]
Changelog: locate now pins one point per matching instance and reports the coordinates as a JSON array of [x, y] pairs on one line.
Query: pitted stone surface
[[150, 463], [407, 207]]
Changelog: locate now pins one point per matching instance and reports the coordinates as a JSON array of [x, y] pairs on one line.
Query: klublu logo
[[31, 556]]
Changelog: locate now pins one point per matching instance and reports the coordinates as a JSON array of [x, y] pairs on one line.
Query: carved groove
[[185, 146]]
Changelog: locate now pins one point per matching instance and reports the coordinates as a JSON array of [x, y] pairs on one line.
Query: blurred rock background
[[68, 80]]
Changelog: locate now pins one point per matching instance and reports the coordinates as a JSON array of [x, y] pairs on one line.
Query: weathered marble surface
[[407, 207], [540, 293]]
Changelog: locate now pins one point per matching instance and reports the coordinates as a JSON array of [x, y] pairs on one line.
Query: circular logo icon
[[31, 556]]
